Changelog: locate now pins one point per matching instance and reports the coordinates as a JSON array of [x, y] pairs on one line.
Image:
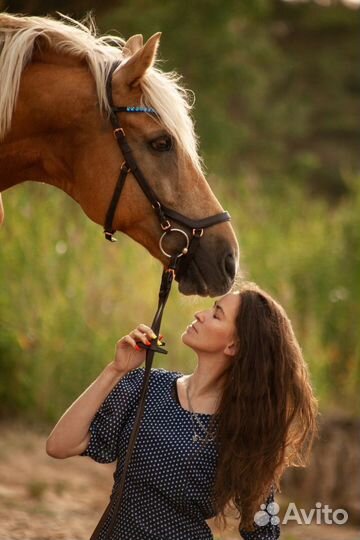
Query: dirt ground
[[42, 498]]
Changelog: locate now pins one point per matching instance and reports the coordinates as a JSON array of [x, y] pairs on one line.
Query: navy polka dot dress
[[168, 487]]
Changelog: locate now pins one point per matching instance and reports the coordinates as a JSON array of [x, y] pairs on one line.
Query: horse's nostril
[[230, 265]]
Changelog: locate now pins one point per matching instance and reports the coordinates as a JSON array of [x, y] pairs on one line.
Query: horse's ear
[[133, 44], [138, 63]]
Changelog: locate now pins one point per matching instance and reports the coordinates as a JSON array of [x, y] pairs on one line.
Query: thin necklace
[[195, 417]]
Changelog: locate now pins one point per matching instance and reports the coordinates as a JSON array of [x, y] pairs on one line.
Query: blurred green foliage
[[277, 85], [67, 295], [277, 106]]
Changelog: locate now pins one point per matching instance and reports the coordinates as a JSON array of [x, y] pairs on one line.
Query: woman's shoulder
[[156, 374], [164, 374]]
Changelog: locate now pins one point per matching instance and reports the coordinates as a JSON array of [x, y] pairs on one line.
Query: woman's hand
[[128, 355]]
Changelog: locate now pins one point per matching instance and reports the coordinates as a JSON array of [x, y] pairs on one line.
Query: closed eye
[[162, 144], [215, 311]]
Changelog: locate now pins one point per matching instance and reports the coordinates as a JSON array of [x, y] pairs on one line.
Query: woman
[[215, 439]]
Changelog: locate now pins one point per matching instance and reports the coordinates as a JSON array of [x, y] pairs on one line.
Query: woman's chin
[[186, 339]]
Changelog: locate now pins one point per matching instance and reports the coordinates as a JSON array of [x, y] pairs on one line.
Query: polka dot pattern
[[168, 487], [270, 530]]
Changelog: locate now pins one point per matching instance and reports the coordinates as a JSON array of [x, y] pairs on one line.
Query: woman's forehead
[[230, 302]]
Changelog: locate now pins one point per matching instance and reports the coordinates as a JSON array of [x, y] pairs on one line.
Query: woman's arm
[[71, 436]]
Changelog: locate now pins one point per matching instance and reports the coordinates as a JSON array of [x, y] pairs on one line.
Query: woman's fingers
[[140, 336], [129, 340], [142, 333], [147, 330]]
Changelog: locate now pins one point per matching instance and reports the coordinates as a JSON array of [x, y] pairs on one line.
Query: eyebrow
[[216, 305]]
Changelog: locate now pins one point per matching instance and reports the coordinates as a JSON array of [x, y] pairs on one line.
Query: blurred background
[[277, 88]]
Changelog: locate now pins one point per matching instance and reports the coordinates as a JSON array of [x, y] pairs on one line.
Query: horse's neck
[[34, 149], [16, 165], [30, 160], [19, 161], [31, 154]]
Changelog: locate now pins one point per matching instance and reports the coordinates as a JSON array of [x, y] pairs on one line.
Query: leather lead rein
[[112, 509], [164, 214]]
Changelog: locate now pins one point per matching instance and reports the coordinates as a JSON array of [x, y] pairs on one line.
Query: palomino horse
[[54, 128]]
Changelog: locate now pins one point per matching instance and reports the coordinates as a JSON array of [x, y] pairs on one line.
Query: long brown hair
[[267, 413]]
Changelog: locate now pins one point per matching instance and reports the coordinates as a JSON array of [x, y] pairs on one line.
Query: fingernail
[[153, 335], [148, 342], [137, 347], [161, 336]]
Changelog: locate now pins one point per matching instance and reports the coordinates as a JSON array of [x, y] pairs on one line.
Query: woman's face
[[213, 330]]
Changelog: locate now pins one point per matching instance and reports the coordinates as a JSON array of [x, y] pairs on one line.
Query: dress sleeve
[[111, 417], [266, 522]]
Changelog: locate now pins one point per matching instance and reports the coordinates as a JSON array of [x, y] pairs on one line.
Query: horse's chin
[[190, 287], [193, 283]]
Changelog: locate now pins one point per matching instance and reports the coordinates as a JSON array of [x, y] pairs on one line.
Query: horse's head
[[61, 134], [165, 149]]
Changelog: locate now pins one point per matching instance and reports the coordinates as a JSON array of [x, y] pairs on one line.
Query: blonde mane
[[161, 91]]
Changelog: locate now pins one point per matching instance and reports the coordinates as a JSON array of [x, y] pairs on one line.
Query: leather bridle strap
[[130, 165], [108, 231]]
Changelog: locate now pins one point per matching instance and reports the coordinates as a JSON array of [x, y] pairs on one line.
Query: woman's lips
[[191, 327]]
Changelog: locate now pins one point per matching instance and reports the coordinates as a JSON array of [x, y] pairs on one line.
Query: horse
[[55, 129]]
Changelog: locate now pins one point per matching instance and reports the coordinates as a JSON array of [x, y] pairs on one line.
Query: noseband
[[176, 265]]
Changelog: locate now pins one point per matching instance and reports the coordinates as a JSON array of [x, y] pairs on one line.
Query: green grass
[[67, 295]]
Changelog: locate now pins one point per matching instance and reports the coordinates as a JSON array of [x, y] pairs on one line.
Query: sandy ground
[[47, 499]]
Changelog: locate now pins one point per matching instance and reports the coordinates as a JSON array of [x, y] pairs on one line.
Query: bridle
[[177, 264], [163, 213]]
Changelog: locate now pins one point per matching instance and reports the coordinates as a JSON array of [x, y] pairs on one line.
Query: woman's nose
[[199, 316]]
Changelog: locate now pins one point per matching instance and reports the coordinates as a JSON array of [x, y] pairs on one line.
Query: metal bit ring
[[183, 251]]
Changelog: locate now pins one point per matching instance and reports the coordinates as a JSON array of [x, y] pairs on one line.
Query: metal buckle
[[118, 130], [183, 251], [158, 205], [109, 236], [198, 232], [166, 225], [124, 165]]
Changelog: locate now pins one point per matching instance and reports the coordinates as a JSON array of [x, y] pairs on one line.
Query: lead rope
[[116, 496]]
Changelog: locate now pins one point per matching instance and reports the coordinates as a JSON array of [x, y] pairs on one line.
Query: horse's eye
[[162, 144]]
